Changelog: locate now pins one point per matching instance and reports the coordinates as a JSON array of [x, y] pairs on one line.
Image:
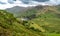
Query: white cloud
[[31, 3], [4, 6], [55, 2], [5, 1]]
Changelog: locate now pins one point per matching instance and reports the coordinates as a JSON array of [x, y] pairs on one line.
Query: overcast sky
[[25, 3]]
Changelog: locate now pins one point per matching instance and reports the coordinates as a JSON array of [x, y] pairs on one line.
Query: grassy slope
[[52, 34], [48, 20], [10, 26]]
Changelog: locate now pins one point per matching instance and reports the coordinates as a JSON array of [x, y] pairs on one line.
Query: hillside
[[37, 21], [44, 18], [49, 19], [10, 26]]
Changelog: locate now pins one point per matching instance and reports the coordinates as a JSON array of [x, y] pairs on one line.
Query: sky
[[4, 4]]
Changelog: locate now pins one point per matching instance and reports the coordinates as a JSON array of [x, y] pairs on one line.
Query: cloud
[[25, 3], [40, 0], [53, 2], [2, 3]]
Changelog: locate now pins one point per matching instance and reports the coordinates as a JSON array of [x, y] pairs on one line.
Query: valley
[[31, 21]]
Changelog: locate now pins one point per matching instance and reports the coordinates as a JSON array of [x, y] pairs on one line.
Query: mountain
[[15, 9], [35, 21], [44, 18], [10, 26], [28, 11]]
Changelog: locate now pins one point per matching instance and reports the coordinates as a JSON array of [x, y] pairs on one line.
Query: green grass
[[47, 22], [52, 34], [10, 26]]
